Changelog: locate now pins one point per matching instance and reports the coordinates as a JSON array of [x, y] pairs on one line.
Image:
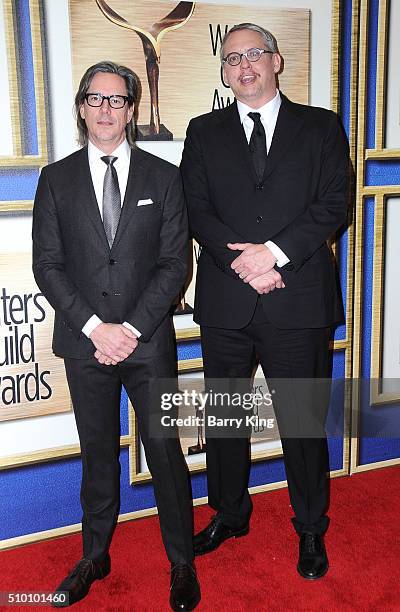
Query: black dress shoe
[[185, 589], [313, 561], [78, 582], [214, 534]]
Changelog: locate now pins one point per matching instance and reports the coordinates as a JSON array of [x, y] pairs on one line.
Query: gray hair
[[269, 39], [133, 88]]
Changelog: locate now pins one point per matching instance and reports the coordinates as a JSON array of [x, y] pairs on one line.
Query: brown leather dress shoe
[[185, 588], [313, 560], [78, 582], [214, 534]]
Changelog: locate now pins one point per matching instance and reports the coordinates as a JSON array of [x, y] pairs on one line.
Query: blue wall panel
[[26, 77], [382, 172], [189, 350], [18, 183], [371, 79]]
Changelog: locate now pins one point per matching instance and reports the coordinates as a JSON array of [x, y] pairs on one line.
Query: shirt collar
[[123, 152], [265, 111]]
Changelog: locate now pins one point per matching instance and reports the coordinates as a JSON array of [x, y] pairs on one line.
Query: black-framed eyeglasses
[[115, 101], [252, 55]]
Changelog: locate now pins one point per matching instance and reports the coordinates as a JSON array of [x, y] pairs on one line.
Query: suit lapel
[[134, 189], [287, 127], [85, 193], [137, 178], [234, 138]]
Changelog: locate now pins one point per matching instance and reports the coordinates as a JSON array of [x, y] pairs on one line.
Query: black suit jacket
[[137, 280], [300, 202]]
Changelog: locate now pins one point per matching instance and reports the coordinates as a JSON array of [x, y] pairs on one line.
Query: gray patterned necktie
[[258, 146], [111, 199]]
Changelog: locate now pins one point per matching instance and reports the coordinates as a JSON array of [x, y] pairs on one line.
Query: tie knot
[[109, 159], [256, 117]]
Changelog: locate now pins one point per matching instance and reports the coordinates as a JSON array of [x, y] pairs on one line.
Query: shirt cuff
[[90, 325], [281, 258], [133, 329]]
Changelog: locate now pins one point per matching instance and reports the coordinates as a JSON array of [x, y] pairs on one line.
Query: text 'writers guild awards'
[[151, 42]]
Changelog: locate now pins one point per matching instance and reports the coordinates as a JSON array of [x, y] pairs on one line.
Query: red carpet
[[254, 573]]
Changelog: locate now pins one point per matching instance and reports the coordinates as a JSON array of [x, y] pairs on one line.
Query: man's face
[[253, 83], [106, 125]]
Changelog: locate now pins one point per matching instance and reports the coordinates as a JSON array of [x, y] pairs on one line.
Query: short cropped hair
[[269, 39]]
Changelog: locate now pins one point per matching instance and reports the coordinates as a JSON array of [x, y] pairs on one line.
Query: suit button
[[112, 262], [104, 294], [260, 187], [259, 219]]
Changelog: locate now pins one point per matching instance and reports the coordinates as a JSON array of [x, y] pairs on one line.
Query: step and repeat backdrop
[[45, 46]]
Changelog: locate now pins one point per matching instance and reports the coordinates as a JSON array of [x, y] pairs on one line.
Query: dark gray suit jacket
[[137, 280]]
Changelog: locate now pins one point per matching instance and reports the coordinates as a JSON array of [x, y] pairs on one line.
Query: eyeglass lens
[[97, 99], [253, 55]]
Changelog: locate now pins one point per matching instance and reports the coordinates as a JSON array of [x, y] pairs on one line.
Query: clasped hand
[[255, 265], [114, 343]]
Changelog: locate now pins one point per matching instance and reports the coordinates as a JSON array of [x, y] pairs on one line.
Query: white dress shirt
[[97, 170], [269, 115]]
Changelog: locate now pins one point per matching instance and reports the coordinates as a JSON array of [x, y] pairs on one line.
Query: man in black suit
[[265, 181], [109, 253]]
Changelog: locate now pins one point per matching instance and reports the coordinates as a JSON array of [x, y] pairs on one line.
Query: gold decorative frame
[[379, 193], [380, 151], [377, 396], [186, 335], [56, 453], [138, 476], [19, 159]]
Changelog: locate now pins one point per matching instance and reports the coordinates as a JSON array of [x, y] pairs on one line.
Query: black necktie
[[258, 146], [111, 199]]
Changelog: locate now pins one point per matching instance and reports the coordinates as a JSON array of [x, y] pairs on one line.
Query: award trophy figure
[[200, 446], [152, 50]]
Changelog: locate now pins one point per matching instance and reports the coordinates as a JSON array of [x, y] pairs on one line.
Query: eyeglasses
[[252, 55], [97, 99]]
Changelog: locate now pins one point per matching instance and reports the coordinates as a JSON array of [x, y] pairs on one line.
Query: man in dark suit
[[265, 181], [109, 253]]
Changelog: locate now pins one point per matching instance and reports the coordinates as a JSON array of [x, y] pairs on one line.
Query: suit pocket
[[145, 208]]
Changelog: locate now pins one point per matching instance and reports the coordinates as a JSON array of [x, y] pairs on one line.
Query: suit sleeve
[[49, 261], [171, 266], [205, 224], [327, 212]]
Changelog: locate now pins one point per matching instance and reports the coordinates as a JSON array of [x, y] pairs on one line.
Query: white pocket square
[[145, 202]]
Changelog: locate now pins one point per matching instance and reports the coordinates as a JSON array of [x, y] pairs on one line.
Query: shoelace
[[180, 572], [84, 567], [181, 569], [214, 521], [310, 543]]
